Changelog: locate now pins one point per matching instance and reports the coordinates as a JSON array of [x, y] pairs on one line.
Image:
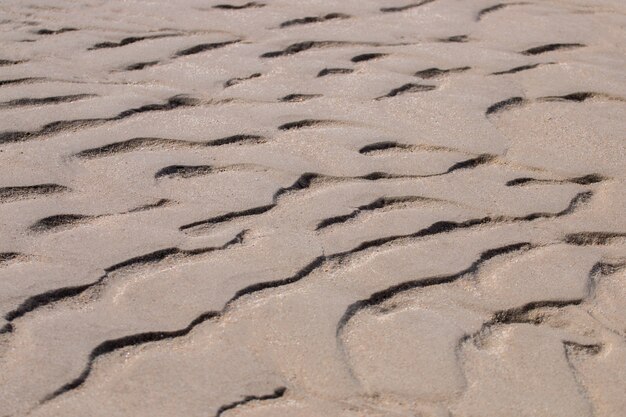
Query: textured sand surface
[[313, 208]]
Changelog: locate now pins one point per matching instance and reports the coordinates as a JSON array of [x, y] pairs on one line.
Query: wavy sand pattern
[[338, 208]]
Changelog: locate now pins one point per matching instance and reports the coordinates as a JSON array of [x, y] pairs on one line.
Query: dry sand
[[313, 208]]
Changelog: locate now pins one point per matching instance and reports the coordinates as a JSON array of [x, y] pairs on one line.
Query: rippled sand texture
[[313, 208]]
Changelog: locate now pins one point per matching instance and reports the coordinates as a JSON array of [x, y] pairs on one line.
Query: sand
[[315, 208]]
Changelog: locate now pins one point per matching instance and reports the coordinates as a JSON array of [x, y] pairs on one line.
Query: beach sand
[[313, 208]]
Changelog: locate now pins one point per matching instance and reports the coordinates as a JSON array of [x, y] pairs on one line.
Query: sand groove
[[69, 125]]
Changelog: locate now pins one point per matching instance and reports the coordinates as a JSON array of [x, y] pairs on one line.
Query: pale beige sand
[[392, 241]]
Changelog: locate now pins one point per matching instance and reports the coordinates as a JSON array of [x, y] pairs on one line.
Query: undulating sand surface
[[313, 208]]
